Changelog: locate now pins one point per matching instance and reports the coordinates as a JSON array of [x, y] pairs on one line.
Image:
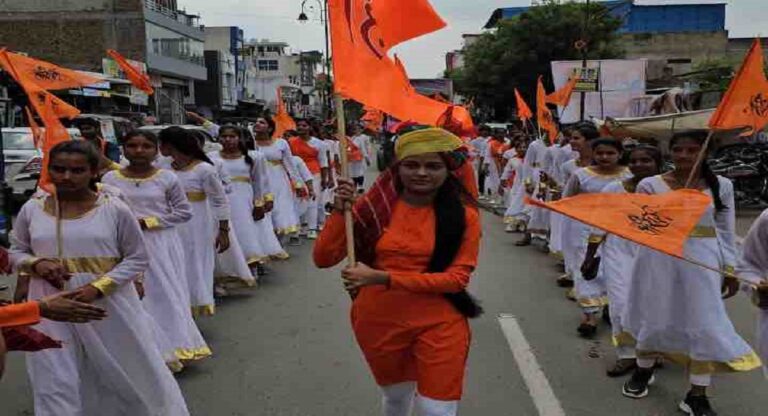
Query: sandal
[[565, 281]]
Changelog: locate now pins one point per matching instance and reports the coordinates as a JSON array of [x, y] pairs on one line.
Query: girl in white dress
[[675, 309], [248, 187], [618, 256], [753, 266], [283, 178], [91, 242], [160, 205], [208, 230], [518, 212], [302, 203], [590, 294]]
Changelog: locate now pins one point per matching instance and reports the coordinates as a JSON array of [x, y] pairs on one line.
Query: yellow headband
[[431, 140]]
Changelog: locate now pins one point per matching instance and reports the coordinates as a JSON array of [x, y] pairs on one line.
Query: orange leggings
[[434, 357]]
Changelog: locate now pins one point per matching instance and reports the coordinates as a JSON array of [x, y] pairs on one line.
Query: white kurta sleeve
[[217, 195], [180, 211], [573, 187], [322, 154], [259, 179], [20, 253], [753, 264], [133, 252], [509, 168], [289, 166], [725, 222]]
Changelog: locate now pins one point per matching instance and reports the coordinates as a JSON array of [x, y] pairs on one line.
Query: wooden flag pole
[[699, 159], [344, 159]]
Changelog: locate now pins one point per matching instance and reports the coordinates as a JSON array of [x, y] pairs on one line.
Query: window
[[268, 65]]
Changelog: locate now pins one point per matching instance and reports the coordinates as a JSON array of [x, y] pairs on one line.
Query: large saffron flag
[[283, 120], [362, 34], [662, 222], [562, 96], [543, 114], [26, 70], [138, 79], [745, 104], [523, 111]]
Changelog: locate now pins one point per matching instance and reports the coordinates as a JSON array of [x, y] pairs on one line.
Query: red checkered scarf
[[372, 213]]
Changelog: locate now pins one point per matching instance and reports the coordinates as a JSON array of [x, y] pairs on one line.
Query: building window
[[268, 65]]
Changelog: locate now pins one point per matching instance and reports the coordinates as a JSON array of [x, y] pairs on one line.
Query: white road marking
[[538, 386]]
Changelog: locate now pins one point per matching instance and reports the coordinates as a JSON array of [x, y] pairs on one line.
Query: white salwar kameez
[[562, 157], [357, 168], [477, 152], [208, 199], [302, 203], [111, 367], [160, 202], [282, 181], [534, 161], [518, 212], [617, 261], [493, 180], [675, 308], [753, 266], [590, 294]]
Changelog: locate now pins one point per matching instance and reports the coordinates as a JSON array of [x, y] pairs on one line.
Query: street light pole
[[584, 30], [327, 95]]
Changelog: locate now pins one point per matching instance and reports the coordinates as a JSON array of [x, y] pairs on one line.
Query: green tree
[[522, 48]]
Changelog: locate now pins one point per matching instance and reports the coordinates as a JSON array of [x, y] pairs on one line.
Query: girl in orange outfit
[[419, 233]]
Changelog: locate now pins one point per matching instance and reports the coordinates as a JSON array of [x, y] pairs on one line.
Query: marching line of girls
[[145, 246], [667, 309]]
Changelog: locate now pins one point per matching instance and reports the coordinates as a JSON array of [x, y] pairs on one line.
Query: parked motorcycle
[[746, 165]]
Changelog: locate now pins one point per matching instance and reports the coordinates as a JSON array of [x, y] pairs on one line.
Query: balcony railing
[[179, 16]]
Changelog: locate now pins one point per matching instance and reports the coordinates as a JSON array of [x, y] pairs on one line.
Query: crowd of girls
[[151, 244], [658, 307]]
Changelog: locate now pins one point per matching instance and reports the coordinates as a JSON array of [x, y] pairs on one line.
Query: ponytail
[[706, 171], [185, 142]]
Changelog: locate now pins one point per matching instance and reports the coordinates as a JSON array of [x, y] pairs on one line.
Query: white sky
[[423, 57]]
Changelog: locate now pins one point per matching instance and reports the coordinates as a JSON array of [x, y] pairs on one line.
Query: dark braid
[[185, 142]]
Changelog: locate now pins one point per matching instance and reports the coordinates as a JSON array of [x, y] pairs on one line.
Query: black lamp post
[[303, 18]]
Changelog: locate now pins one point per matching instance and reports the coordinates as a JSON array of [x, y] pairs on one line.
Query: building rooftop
[[648, 18]]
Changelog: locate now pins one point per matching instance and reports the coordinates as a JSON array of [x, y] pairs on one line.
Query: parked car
[[23, 161], [211, 144]]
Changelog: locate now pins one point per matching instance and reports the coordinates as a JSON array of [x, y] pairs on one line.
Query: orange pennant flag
[[745, 104], [362, 34], [37, 133], [283, 120], [662, 222], [138, 79], [458, 121], [523, 111], [543, 115], [562, 96], [26, 70]]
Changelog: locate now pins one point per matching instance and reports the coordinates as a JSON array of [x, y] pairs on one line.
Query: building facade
[[77, 33]]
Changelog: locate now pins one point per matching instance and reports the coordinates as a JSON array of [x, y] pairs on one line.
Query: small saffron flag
[[283, 120], [562, 96], [523, 111], [543, 114], [138, 79]]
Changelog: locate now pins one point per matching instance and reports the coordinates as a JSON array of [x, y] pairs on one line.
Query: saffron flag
[[662, 222], [543, 115], [362, 34], [37, 133], [138, 79], [458, 121], [745, 104], [283, 120], [562, 96], [26, 70], [523, 111]]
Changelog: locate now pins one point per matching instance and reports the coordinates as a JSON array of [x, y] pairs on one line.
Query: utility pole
[[584, 31]]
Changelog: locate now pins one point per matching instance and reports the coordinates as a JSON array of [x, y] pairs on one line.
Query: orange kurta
[[20, 314], [409, 331]]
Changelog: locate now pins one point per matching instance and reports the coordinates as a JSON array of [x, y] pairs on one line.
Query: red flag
[[139, 79], [363, 32], [283, 120], [562, 96], [523, 111], [543, 115], [26, 70], [745, 104], [662, 222]]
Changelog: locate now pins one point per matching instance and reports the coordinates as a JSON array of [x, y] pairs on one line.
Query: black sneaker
[[697, 406], [637, 386]]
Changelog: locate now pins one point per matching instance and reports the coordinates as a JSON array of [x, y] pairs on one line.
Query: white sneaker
[[312, 235], [510, 228]]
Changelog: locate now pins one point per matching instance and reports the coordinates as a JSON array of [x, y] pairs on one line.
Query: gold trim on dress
[[152, 223], [595, 238], [703, 232], [258, 202], [93, 265], [281, 256], [243, 179], [203, 310], [276, 162], [269, 197], [192, 354], [234, 280], [119, 173], [592, 302], [590, 170], [106, 285], [287, 230], [196, 196]]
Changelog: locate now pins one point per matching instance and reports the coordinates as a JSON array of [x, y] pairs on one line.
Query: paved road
[[287, 350]]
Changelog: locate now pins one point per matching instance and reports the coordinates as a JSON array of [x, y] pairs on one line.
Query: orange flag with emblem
[[523, 111], [283, 120], [138, 79], [745, 104], [37, 133], [562, 96], [543, 115], [26, 70], [662, 222], [362, 34]]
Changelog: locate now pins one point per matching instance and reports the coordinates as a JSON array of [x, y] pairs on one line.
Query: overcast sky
[[424, 57]]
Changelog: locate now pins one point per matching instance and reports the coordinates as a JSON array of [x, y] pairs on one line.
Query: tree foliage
[[520, 49]]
